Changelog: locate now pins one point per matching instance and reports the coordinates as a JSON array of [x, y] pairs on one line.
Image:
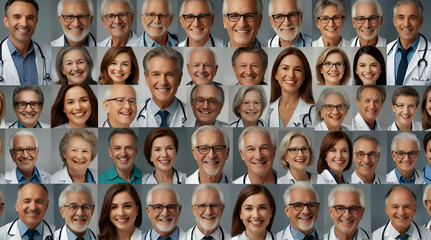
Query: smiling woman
[[332, 67], [119, 66], [74, 66]]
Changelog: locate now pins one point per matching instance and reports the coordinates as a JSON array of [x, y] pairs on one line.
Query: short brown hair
[[329, 142], [153, 135], [323, 55], [109, 58]]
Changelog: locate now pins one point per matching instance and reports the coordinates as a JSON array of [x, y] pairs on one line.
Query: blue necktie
[[207, 238], [164, 115], [30, 234], [402, 68], [403, 237], [164, 238], [309, 237]]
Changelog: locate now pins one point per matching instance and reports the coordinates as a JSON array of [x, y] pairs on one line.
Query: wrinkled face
[[164, 222], [118, 28], [77, 221], [21, 21], [301, 160], [405, 109], [78, 154], [405, 164], [120, 68], [401, 208], [367, 166], [123, 151], [32, 205], [209, 219], [77, 106], [75, 67], [368, 69], [242, 33], [333, 119], [76, 30], [202, 66], [428, 103], [290, 74], [367, 31], [121, 115], [123, 212], [249, 69], [338, 156], [197, 30], [27, 116], [330, 30], [258, 153], [428, 205], [287, 30], [24, 161], [331, 73], [305, 219], [250, 108], [156, 27], [370, 104], [428, 153], [205, 105], [407, 21], [163, 153], [256, 213], [346, 222]]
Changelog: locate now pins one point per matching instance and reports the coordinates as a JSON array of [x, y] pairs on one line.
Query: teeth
[[78, 114], [76, 74], [239, 31], [290, 81], [127, 114], [118, 74], [22, 30], [255, 222], [163, 89], [164, 161]]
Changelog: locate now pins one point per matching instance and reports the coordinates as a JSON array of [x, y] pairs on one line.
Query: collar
[[86, 44], [174, 235], [171, 109], [297, 235], [172, 42], [22, 126], [113, 174], [23, 228], [427, 173], [199, 235], [394, 233], [334, 176], [256, 44], [71, 235], [89, 177], [414, 45], [14, 51], [299, 41], [402, 179], [34, 178]]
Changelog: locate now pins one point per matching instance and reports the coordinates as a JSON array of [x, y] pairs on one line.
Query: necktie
[[31, 233], [80, 238], [309, 237], [164, 238], [402, 68], [163, 114], [403, 237], [207, 238]]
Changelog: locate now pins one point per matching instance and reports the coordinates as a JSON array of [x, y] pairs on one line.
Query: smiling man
[[426, 200], [120, 106], [367, 18], [369, 100], [249, 65], [405, 102], [202, 66], [366, 151], [206, 102]]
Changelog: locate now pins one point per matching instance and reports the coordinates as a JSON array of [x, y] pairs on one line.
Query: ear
[[147, 79], [62, 212], [357, 102], [105, 106], [6, 21], [142, 19]]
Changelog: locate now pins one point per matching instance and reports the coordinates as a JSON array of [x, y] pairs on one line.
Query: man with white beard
[[301, 205], [207, 206]]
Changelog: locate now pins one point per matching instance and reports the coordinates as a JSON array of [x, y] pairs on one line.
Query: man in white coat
[[206, 102], [120, 106], [31, 205], [208, 202], [407, 55], [367, 18], [369, 100], [202, 66], [366, 151], [76, 207], [426, 200]]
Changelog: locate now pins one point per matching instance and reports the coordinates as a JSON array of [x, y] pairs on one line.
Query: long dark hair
[[375, 53], [426, 118]]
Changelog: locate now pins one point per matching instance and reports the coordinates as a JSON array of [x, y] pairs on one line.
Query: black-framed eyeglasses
[[71, 18], [212, 102], [20, 151], [2, 205], [295, 151], [73, 207], [340, 209], [339, 65], [122, 100], [335, 19], [200, 17], [158, 208], [361, 155], [151, 16], [217, 149], [426, 202], [23, 104], [362, 19], [411, 154], [279, 18], [248, 17], [122, 16], [299, 206], [204, 206], [330, 107]]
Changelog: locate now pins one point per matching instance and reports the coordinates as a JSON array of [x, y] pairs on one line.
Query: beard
[[155, 25], [290, 37], [207, 227], [76, 38]]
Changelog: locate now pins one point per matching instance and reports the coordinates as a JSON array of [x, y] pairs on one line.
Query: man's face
[[367, 31], [118, 114], [367, 166], [208, 220], [346, 222], [164, 222], [123, 151], [400, 208], [197, 30], [77, 220], [24, 160], [249, 69], [427, 204], [76, 30], [32, 205], [205, 105], [407, 22], [156, 27], [305, 219], [405, 109], [258, 153], [211, 164], [370, 104], [405, 164], [21, 21], [202, 67], [118, 28], [28, 115], [287, 30], [242, 33], [163, 80]]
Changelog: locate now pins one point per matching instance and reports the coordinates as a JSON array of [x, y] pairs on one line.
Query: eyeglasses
[[248, 17], [411, 154], [335, 19], [248, 104], [339, 65], [299, 206], [122, 100], [20, 151], [401, 105], [204, 206], [279, 18], [212, 102], [23, 104], [362, 19], [151, 16], [158, 208], [71, 18], [2, 205], [217, 149], [340, 209], [200, 17], [122, 16], [295, 151], [73, 207], [330, 107], [361, 155], [426, 202]]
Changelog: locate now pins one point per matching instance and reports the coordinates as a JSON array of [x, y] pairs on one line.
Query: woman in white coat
[[405, 103], [292, 101], [335, 157], [255, 203], [160, 150], [121, 202], [74, 65], [77, 149], [248, 105], [296, 153], [331, 109], [332, 67]]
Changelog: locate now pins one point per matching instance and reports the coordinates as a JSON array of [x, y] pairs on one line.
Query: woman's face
[[333, 119], [331, 29], [123, 211], [332, 69], [256, 212], [120, 68], [368, 69], [428, 103], [77, 107], [78, 154], [290, 74], [75, 67], [250, 108], [163, 153], [300, 160], [338, 156]]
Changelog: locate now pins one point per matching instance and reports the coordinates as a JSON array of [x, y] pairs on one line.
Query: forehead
[[371, 93], [78, 197], [157, 6], [241, 6], [401, 196], [73, 54], [284, 6], [32, 191], [334, 98], [161, 196], [406, 145], [257, 138], [292, 59], [363, 144], [20, 7], [23, 140], [206, 91], [207, 196], [366, 9], [27, 95], [116, 7], [334, 55], [406, 99], [346, 197], [169, 64], [122, 91], [302, 195], [207, 137], [252, 94], [122, 138], [202, 55], [196, 7], [75, 7], [248, 57], [407, 9]]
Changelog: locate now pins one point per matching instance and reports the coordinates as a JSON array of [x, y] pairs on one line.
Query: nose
[[165, 212], [196, 22], [347, 213], [164, 152], [25, 154], [79, 212], [205, 104], [157, 19], [290, 73], [75, 22], [331, 22], [79, 155], [335, 110], [117, 20], [306, 210], [75, 66], [258, 154], [211, 154], [127, 105], [338, 153], [367, 23], [242, 22], [201, 68], [32, 205], [255, 213], [372, 104], [208, 210], [249, 69]]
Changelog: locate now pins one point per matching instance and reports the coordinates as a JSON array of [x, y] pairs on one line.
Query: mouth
[[165, 219], [22, 30], [79, 162], [32, 213], [25, 161], [407, 30], [331, 30], [242, 31], [80, 220], [163, 90], [119, 75], [405, 116], [369, 76], [123, 220], [346, 221], [126, 114], [301, 161], [123, 160], [256, 223], [251, 114], [77, 74], [165, 162], [334, 75], [79, 114], [201, 75], [339, 162], [118, 27], [259, 162], [366, 166], [213, 162], [335, 117]]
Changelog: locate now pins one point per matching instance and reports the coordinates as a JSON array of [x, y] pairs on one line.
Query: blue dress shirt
[[23, 230], [402, 179], [25, 66], [35, 178], [398, 54]]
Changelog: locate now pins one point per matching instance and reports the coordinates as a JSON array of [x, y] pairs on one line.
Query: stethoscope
[[187, 42], [152, 174], [245, 177], [146, 106], [46, 75], [356, 234], [417, 228], [300, 35], [49, 237], [420, 60], [306, 120], [316, 236], [424, 176], [221, 229], [236, 123], [91, 232], [293, 181]]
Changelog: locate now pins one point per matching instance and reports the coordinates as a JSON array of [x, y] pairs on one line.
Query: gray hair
[[59, 62], [376, 87], [405, 136], [210, 128], [347, 188], [162, 186], [368, 138], [257, 129], [170, 8], [33, 88], [427, 188], [87, 135], [240, 95], [202, 48], [22, 133], [105, 3], [417, 3], [166, 52], [259, 6], [208, 186], [298, 185], [321, 101], [398, 186], [321, 4], [271, 9], [61, 3], [407, 91], [76, 188], [376, 5], [284, 147], [107, 93], [220, 93], [208, 3], [18, 191], [123, 131], [263, 56]]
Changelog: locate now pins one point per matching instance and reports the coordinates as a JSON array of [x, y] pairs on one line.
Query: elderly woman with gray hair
[[74, 66], [248, 105], [331, 109]]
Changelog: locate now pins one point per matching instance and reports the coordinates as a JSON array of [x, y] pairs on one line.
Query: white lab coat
[[216, 123], [416, 126], [289, 179], [2, 179], [355, 179], [147, 236], [326, 178], [381, 42], [178, 178], [216, 234], [413, 73], [243, 236], [10, 74], [10, 176], [11, 231], [240, 123], [42, 124], [343, 43], [275, 41], [3, 124], [321, 126], [286, 234], [359, 124], [362, 234], [390, 233], [391, 178], [62, 232], [130, 43], [62, 176], [304, 113], [428, 225], [59, 42], [217, 42], [194, 178], [146, 118]]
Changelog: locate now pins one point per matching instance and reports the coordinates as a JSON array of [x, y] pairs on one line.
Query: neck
[[299, 174], [344, 236], [289, 100], [163, 106], [207, 232], [256, 236], [118, 125], [78, 234], [198, 43], [331, 42], [119, 42], [205, 178], [372, 42], [249, 123], [406, 174], [73, 125], [234, 44], [26, 173], [404, 127], [125, 234], [200, 124], [268, 178], [369, 122], [366, 179], [22, 47], [77, 44], [125, 174], [164, 176], [333, 128], [162, 40], [77, 177], [338, 176], [284, 43], [407, 43], [401, 230]]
